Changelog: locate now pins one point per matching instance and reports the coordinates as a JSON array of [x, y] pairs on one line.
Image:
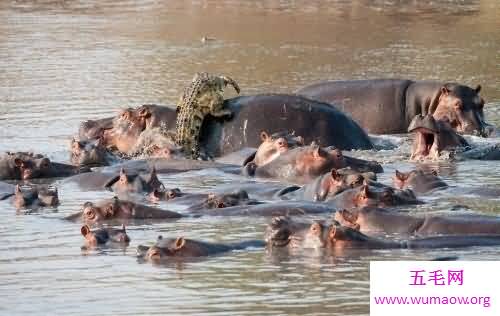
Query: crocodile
[[202, 97]]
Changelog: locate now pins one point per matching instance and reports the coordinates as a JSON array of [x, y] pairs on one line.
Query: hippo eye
[[171, 194]]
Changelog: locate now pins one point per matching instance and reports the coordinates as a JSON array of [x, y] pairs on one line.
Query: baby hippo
[[115, 208], [91, 153], [180, 248], [35, 196], [104, 236], [418, 181], [274, 145]]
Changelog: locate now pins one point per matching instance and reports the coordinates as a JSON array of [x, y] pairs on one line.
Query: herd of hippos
[[295, 140]]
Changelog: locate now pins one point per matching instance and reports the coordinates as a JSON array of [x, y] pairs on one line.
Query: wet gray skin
[[166, 249], [117, 209]]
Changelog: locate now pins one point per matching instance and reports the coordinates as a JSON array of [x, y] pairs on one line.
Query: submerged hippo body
[[178, 248], [376, 196], [386, 106], [330, 184], [376, 220], [303, 164], [114, 208], [267, 209], [335, 238]]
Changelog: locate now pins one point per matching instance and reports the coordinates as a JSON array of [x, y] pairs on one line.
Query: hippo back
[[378, 105], [313, 120]]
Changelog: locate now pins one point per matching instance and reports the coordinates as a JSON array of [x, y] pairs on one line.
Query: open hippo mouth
[[426, 143]]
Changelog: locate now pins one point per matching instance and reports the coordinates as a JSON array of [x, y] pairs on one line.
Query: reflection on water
[[65, 61]]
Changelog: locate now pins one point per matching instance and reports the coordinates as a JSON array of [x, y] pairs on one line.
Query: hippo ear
[[478, 88], [300, 140], [434, 172], [17, 190], [332, 232], [335, 175], [365, 191], [445, 90], [401, 176], [179, 243], [123, 175], [123, 228], [264, 136], [87, 204], [85, 230], [153, 172], [319, 152]]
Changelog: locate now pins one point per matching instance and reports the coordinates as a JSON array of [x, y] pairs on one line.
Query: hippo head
[[336, 182], [274, 145], [133, 118], [24, 196], [92, 213], [48, 196], [30, 166], [164, 195], [367, 195], [170, 247], [224, 200], [136, 183], [88, 153], [403, 180], [432, 137], [338, 234], [462, 107], [283, 232], [102, 236], [315, 160], [347, 218]]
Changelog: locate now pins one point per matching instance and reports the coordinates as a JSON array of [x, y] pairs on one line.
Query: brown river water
[[66, 61]]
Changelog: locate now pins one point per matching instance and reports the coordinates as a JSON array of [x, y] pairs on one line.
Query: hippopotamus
[[377, 220], [94, 129], [24, 166], [122, 182], [303, 164], [104, 236], [215, 201], [387, 106], [335, 238], [135, 183], [266, 209], [167, 165], [182, 248], [418, 181], [432, 137], [368, 195], [250, 116], [28, 196], [91, 153], [114, 208], [330, 184]]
